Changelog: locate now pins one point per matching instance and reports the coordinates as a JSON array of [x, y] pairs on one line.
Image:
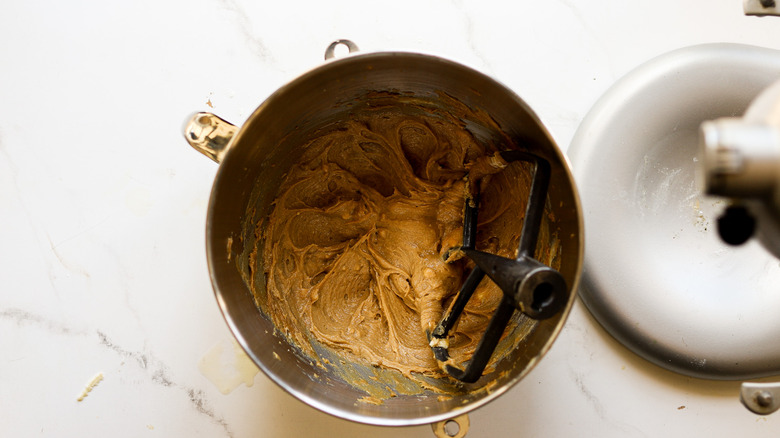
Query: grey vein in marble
[[255, 43], [22, 317], [468, 24], [198, 398], [5, 155], [598, 407], [68, 264], [574, 7], [160, 374], [595, 403]]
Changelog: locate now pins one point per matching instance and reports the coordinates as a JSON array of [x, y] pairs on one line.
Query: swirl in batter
[[354, 249]]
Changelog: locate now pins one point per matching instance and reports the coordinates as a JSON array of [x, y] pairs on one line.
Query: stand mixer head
[[741, 161]]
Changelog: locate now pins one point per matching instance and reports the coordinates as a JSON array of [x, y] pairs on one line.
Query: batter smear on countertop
[[354, 249]]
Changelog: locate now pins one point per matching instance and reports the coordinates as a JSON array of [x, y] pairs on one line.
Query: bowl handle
[[455, 427], [209, 134], [330, 52]]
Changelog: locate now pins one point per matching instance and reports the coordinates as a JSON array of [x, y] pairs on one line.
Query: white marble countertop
[[103, 204]]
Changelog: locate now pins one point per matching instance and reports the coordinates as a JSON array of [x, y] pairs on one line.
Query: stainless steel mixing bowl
[[253, 160]]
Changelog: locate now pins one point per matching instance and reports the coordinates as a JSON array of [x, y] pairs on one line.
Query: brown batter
[[354, 248]]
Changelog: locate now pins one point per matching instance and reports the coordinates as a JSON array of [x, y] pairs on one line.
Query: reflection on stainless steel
[[760, 398], [656, 275], [209, 135], [741, 161], [760, 7], [262, 151]]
